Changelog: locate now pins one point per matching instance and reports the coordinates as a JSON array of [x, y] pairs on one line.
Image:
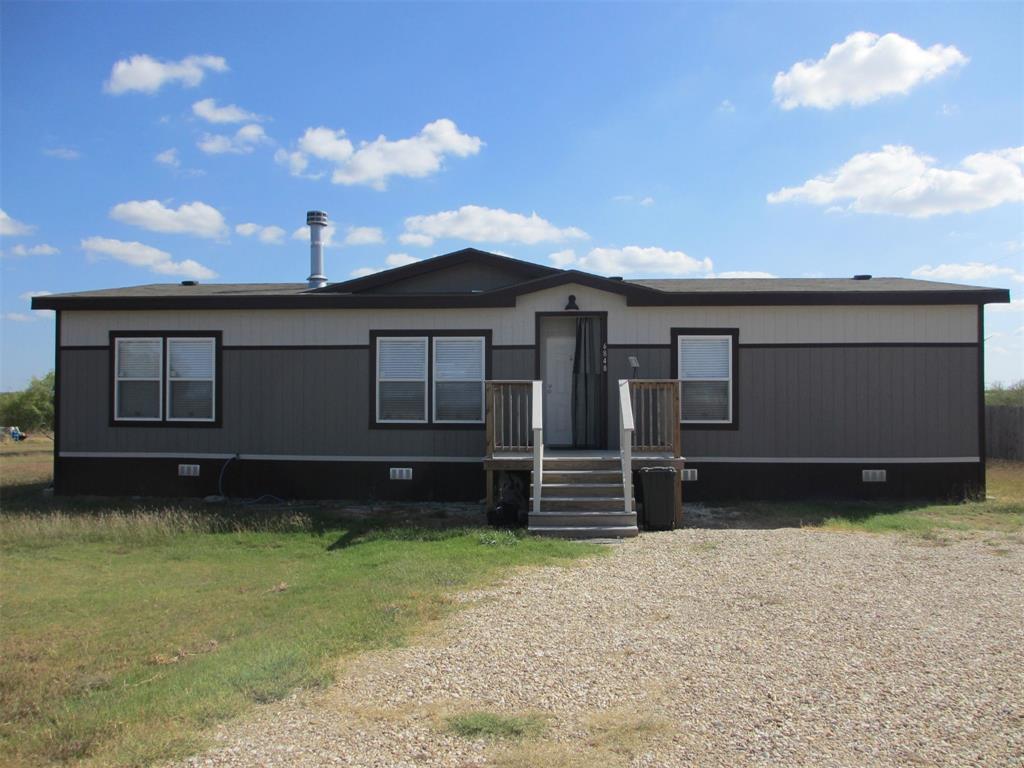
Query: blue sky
[[139, 140]]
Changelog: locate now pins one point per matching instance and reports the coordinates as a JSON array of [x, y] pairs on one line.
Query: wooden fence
[[1004, 432]]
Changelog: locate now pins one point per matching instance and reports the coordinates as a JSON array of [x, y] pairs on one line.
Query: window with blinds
[[191, 365], [705, 373], [402, 380], [138, 379], [166, 379], [459, 379]]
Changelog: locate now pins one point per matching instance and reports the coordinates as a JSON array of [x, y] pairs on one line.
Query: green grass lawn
[[1002, 511], [126, 632]]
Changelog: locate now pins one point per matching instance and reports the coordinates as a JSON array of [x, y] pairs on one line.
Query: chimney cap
[[316, 217]]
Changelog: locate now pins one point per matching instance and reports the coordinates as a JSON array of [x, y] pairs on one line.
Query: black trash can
[[658, 487]]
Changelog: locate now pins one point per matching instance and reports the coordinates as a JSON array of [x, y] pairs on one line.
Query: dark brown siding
[[275, 401], [818, 402], [807, 402]]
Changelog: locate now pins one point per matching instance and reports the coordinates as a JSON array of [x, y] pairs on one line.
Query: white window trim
[[212, 380], [483, 369], [679, 353], [425, 380], [118, 379]]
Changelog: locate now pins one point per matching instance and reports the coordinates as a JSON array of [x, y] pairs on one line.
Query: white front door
[[558, 346]]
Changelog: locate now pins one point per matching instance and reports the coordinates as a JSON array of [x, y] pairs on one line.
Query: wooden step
[[598, 463], [585, 531], [585, 503], [560, 490], [577, 519], [558, 476]]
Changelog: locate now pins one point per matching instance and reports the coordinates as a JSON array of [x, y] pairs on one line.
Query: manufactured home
[[442, 379]]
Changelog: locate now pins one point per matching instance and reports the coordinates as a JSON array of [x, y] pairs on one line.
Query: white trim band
[[831, 460], [267, 457]]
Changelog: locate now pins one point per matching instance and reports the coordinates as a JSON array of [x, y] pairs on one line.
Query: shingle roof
[[161, 290], [799, 284], [655, 292]]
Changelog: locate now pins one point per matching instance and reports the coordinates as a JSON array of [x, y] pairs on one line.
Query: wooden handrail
[[626, 430], [537, 396]]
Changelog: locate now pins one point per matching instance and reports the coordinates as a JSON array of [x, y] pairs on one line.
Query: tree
[[997, 394], [31, 409]]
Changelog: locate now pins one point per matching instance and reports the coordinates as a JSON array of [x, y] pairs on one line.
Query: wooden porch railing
[[508, 413], [655, 409], [514, 418]]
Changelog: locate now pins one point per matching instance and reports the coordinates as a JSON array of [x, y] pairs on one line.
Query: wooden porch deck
[[583, 493]]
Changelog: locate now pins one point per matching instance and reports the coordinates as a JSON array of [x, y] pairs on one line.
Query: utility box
[[658, 486]]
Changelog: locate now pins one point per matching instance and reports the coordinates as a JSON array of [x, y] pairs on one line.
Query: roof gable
[[466, 271]]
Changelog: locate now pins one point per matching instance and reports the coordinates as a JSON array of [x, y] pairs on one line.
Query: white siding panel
[[626, 325]]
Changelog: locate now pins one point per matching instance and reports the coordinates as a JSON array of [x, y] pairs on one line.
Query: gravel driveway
[[696, 647]]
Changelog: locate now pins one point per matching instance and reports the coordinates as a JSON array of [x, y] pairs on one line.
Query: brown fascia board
[[426, 266], [300, 301], [637, 296], [821, 298]]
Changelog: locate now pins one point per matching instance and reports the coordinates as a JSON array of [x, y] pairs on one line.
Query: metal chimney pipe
[[316, 220]]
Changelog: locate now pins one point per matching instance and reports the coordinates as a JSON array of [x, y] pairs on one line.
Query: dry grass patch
[[611, 739]]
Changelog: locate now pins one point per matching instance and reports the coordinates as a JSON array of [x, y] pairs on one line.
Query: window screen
[[191, 367], [705, 370], [459, 379], [402, 379], [138, 377]]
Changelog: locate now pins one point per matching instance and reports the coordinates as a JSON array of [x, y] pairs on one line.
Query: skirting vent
[[689, 475], [400, 473], [872, 475]]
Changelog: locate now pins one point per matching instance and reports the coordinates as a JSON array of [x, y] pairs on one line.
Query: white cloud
[[43, 249], [64, 153], [17, 317], [644, 201], [563, 259], [744, 273], [633, 260], [139, 255], [478, 224], [145, 74], [393, 260], [400, 259], [208, 110], [1015, 305], [862, 69], [326, 237], [28, 296], [363, 236], [196, 218], [972, 270], [421, 240], [266, 234], [726, 106], [296, 163], [949, 110], [374, 162], [245, 140], [168, 157], [901, 182], [12, 227]]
